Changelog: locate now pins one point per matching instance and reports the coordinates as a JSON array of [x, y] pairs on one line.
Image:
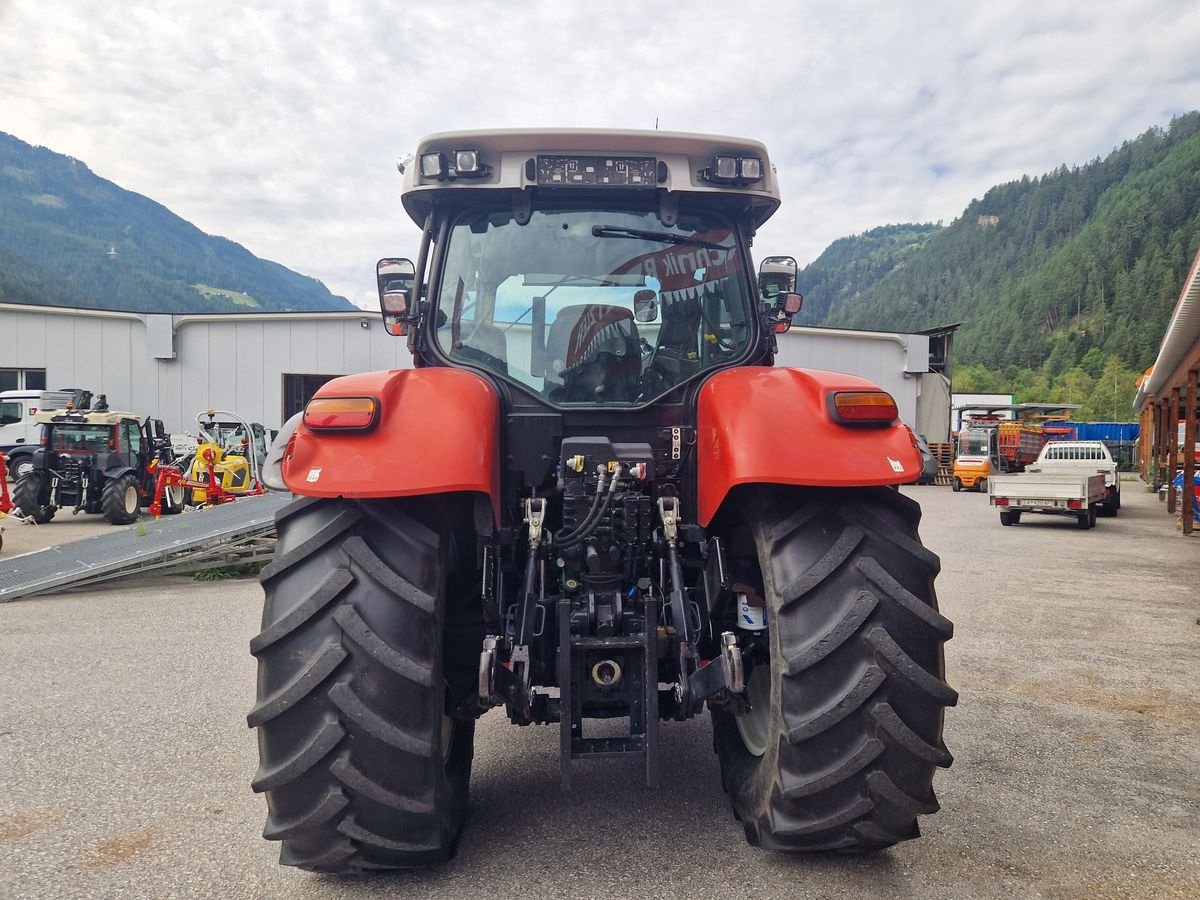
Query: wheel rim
[[755, 725], [175, 497], [131, 500], [23, 468]]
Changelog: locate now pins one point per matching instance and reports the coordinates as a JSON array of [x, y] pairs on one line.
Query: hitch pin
[[668, 511], [535, 512]]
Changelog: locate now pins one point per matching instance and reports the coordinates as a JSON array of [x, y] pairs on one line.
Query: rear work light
[[734, 170], [863, 407], [455, 164], [341, 413]]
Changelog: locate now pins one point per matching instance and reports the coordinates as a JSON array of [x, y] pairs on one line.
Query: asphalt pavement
[[125, 759]]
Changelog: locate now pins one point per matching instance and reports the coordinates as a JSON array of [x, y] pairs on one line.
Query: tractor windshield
[[593, 307]]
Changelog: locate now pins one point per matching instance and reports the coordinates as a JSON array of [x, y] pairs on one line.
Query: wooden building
[[1168, 399]]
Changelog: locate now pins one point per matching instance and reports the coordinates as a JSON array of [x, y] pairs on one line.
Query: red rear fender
[[774, 426], [436, 433]]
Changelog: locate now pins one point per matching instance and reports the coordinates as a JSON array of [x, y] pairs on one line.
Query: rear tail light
[[341, 413], [1002, 501], [1074, 504], [864, 407]]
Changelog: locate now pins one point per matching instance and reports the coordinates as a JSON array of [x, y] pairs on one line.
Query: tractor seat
[[593, 355]]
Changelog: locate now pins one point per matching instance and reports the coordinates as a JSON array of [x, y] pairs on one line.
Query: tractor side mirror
[[395, 280], [777, 285], [645, 306], [776, 275]]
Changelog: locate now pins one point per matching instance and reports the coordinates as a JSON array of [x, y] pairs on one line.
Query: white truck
[[1083, 458], [1061, 494]]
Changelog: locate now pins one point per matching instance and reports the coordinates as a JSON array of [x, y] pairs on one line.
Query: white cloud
[[278, 127]]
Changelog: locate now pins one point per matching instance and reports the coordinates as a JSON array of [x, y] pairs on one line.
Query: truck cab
[[17, 427]]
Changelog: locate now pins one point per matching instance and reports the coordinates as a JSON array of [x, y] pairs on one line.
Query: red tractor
[[594, 497]]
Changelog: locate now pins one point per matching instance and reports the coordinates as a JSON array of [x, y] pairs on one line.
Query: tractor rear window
[[81, 438], [594, 307]]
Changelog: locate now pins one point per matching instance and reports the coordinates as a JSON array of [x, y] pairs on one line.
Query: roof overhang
[[1180, 343], [681, 158]]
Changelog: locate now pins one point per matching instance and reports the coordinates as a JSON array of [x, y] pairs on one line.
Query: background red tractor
[[594, 497]]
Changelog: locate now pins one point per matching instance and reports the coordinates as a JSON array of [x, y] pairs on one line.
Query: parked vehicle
[[95, 462], [18, 429], [1050, 493], [594, 497], [229, 453], [1087, 458], [987, 446], [226, 463], [929, 463]]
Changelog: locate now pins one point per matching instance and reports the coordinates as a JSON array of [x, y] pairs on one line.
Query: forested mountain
[[71, 238], [852, 265], [1080, 264]]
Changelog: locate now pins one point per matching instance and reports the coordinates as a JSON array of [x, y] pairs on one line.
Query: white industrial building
[[265, 366]]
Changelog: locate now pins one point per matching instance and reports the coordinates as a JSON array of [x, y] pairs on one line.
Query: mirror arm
[[418, 280]]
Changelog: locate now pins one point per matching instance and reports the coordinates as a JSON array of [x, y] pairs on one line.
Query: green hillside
[[1076, 266], [69, 237]]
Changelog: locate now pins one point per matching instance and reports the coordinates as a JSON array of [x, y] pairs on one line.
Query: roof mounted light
[[734, 170], [454, 164], [466, 163], [433, 165]]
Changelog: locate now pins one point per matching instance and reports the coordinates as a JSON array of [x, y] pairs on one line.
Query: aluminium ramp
[[232, 533]]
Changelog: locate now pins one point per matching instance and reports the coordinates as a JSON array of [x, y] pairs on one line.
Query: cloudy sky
[[276, 123]]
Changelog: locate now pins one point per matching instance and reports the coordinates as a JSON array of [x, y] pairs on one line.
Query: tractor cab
[[93, 461], [595, 502]]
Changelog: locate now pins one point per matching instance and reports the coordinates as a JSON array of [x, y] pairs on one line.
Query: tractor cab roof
[[566, 162], [84, 417]]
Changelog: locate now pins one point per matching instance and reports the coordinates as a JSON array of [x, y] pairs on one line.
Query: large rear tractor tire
[[845, 733], [31, 495], [362, 766], [119, 500]]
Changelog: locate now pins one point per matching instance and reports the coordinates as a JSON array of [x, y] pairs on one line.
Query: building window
[[298, 390], [22, 379]]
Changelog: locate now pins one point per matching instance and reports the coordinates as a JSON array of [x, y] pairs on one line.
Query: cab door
[[131, 444]]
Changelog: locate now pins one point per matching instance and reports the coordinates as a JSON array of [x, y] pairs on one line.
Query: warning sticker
[[897, 466], [314, 474]]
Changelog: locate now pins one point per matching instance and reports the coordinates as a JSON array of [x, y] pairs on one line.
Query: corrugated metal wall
[[238, 364]]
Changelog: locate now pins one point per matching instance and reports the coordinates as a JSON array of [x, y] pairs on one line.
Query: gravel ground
[[125, 760]]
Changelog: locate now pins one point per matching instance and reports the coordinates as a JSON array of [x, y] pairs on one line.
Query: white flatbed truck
[[1083, 458], [1052, 493]]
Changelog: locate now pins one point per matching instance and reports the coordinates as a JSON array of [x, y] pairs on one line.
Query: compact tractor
[[594, 497], [94, 461]]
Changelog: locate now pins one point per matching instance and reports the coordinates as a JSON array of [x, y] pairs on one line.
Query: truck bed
[[1054, 493]]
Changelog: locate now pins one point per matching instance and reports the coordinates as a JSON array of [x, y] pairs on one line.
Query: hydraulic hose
[[595, 514], [593, 511]]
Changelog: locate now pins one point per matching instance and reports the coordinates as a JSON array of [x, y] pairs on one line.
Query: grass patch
[[225, 573], [234, 296]]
